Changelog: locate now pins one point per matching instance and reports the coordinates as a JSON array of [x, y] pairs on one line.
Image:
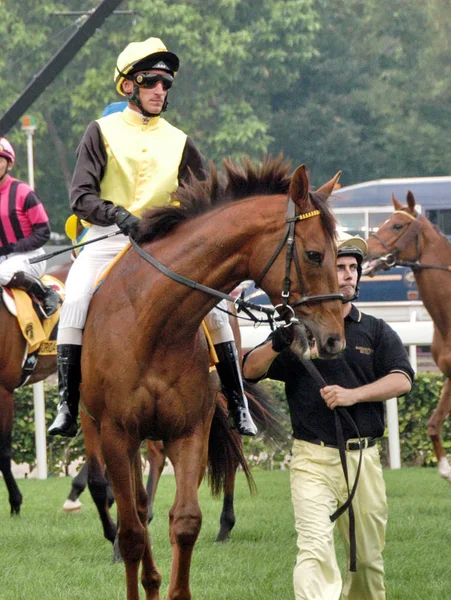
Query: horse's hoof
[[444, 469], [71, 506]]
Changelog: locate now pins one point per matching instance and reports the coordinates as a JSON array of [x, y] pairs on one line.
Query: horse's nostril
[[334, 344]]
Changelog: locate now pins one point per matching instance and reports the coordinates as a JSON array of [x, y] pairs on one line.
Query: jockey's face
[[5, 167], [152, 98]]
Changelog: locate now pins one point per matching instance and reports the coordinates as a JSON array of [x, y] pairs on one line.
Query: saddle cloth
[[38, 332]]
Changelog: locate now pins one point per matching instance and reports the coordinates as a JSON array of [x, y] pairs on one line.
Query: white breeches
[[11, 264], [84, 273]]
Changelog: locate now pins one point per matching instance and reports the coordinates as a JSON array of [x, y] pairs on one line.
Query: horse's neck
[[213, 250], [434, 285]]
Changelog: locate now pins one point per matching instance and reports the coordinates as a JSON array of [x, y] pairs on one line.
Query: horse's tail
[[225, 452], [272, 423]]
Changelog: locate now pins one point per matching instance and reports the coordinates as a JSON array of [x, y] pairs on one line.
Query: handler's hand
[[335, 395]]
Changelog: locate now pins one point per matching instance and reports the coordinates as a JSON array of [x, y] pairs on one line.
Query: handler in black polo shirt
[[374, 367]]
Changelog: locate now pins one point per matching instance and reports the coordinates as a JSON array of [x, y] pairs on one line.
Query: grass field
[[48, 555]]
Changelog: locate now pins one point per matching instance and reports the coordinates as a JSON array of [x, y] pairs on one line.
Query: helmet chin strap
[[136, 100]]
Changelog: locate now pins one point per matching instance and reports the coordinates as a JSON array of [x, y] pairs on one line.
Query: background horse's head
[[397, 239]]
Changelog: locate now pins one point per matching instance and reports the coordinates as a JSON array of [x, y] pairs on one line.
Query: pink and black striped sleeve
[[34, 223]]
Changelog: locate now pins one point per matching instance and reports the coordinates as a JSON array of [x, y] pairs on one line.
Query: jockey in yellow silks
[[128, 162]]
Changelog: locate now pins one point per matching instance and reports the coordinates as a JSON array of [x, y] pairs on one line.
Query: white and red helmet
[[7, 150]]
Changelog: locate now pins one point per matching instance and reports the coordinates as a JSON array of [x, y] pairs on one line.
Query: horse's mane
[[239, 181]]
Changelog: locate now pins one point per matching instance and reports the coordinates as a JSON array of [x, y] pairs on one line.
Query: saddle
[[38, 331]]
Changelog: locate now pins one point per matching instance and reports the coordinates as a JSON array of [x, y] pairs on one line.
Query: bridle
[[411, 233], [291, 255], [288, 239]]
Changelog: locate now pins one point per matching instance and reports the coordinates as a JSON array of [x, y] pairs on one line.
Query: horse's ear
[[396, 204], [299, 185], [327, 189], [410, 200]]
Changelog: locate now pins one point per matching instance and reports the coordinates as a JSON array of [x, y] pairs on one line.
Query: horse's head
[[296, 265], [397, 238]]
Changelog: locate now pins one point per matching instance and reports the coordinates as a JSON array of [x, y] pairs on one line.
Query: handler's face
[[347, 275]]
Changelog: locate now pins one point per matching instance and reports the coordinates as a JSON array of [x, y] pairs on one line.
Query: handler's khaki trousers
[[318, 488]]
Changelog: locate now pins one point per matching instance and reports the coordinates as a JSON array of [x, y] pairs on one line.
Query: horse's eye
[[314, 257], [397, 227]]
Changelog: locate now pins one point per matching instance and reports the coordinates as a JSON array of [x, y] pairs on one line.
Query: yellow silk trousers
[[318, 488]]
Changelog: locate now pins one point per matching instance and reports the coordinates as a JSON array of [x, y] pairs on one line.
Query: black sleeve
[[39, 236], [192, 161], [85, 197], [278, 368], [390, 355]]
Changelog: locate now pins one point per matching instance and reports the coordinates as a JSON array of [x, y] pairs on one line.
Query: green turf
[[48, 555]]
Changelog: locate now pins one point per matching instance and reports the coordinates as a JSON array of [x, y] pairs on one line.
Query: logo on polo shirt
[[366, 351]]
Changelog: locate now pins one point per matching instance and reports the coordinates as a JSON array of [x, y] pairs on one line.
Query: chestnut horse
[[12, 350], [408, 238], [272, 425], [145, 361]]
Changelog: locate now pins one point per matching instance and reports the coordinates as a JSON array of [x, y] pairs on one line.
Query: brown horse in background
[[12, 350], [145, 361], [408, 238]]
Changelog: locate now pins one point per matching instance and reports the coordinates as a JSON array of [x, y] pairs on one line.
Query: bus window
[[441, 218], [352, 223]]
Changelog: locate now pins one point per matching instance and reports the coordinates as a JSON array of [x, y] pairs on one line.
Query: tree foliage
[[361, 86]]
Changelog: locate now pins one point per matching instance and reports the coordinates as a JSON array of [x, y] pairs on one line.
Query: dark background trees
[[361, 86]]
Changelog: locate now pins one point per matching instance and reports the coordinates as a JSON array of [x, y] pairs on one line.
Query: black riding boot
[[34, 286], [232, 385], [69, 379]]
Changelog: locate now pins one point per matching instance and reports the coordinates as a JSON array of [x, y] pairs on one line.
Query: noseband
[[289, 239]]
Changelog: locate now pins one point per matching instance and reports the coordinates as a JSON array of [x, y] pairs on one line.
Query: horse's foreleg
[[6, 427], [131, 499], [435, 424], [188, 456], [150, 576], [97, 481], [156, 456], [227, 519], [79, 483]]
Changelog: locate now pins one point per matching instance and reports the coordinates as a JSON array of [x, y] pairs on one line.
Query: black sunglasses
[[150, 80]]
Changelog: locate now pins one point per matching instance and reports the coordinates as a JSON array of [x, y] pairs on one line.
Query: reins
[[240, 302], [244, 305]]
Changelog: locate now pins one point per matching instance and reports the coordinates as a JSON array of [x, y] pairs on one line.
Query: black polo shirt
[[373, 350]]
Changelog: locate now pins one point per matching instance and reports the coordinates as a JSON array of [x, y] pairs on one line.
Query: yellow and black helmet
[[142, 56]]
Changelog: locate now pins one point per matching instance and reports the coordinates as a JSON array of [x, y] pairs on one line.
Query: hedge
[[414, 410]]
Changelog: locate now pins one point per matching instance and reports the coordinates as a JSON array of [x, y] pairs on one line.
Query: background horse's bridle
[[412, 232]]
